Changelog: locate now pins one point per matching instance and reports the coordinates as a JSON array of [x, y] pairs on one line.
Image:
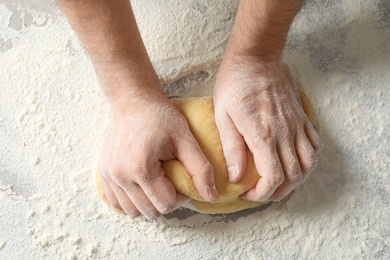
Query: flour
[[53, 114]]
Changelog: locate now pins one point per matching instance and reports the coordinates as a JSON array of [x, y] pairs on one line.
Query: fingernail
[[233, 172], [213, 193]]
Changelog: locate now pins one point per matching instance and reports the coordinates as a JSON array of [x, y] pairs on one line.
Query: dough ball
[[199, 113]]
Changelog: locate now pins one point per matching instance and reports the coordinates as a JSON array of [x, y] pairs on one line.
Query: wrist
[[135, 100], [261, 27], [123, 84], [235, 62], [241, 51]]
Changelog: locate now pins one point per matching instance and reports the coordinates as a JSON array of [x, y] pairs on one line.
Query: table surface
[[339, 50]]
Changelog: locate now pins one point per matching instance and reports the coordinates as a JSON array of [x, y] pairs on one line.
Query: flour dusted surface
[[52, 117]]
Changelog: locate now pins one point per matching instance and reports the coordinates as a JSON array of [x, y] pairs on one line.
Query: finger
[[197, 165], [125, 203], [110, 195], [270, 169], [160, 191], [313, 137], [181, 200], [291, 168], [141, 201], [306, 154], [234, 148]]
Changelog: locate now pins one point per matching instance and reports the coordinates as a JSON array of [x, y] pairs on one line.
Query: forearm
[[261, 27], [110, 35]]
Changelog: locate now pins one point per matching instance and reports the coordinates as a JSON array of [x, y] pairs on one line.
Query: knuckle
[[205, 170], [259, 195], [133, 213], [277, 198], [115, 204], [116, 174], [103, 170], [142, 175], [152, 214], [295, 179], [311, 165], [316, 139], [318, 145], [233, 146], [135, 170], [294, 176], [166, 203], [131, 210], [276, 180], [105, 175], [280, 195], [266, 135], [168, 208]]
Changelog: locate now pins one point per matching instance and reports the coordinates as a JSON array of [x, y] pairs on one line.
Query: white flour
[[52, 117]]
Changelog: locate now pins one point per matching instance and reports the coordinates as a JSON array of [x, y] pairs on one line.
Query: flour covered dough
[[199, 113]]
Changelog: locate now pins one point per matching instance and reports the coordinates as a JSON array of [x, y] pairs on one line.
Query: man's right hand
[[145, 130]]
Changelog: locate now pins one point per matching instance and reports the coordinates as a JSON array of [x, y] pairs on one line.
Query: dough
[[200, 116]]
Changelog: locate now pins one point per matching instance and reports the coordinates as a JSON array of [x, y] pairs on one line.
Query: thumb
[[234, 148], [197, 165]]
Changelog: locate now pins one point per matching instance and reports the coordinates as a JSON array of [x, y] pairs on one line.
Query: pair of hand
[[256, 104]]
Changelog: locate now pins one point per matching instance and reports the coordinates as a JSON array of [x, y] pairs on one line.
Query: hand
[[145, 128], [143, 132], [257, 103]]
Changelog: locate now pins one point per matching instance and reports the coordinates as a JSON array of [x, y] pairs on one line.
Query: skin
[[256, 103], [145, 128]]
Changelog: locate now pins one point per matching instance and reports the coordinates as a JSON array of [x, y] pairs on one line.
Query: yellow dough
[[199, 113]]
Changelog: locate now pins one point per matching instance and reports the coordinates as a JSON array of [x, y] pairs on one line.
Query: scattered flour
[[52, 118], [2, 244]]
